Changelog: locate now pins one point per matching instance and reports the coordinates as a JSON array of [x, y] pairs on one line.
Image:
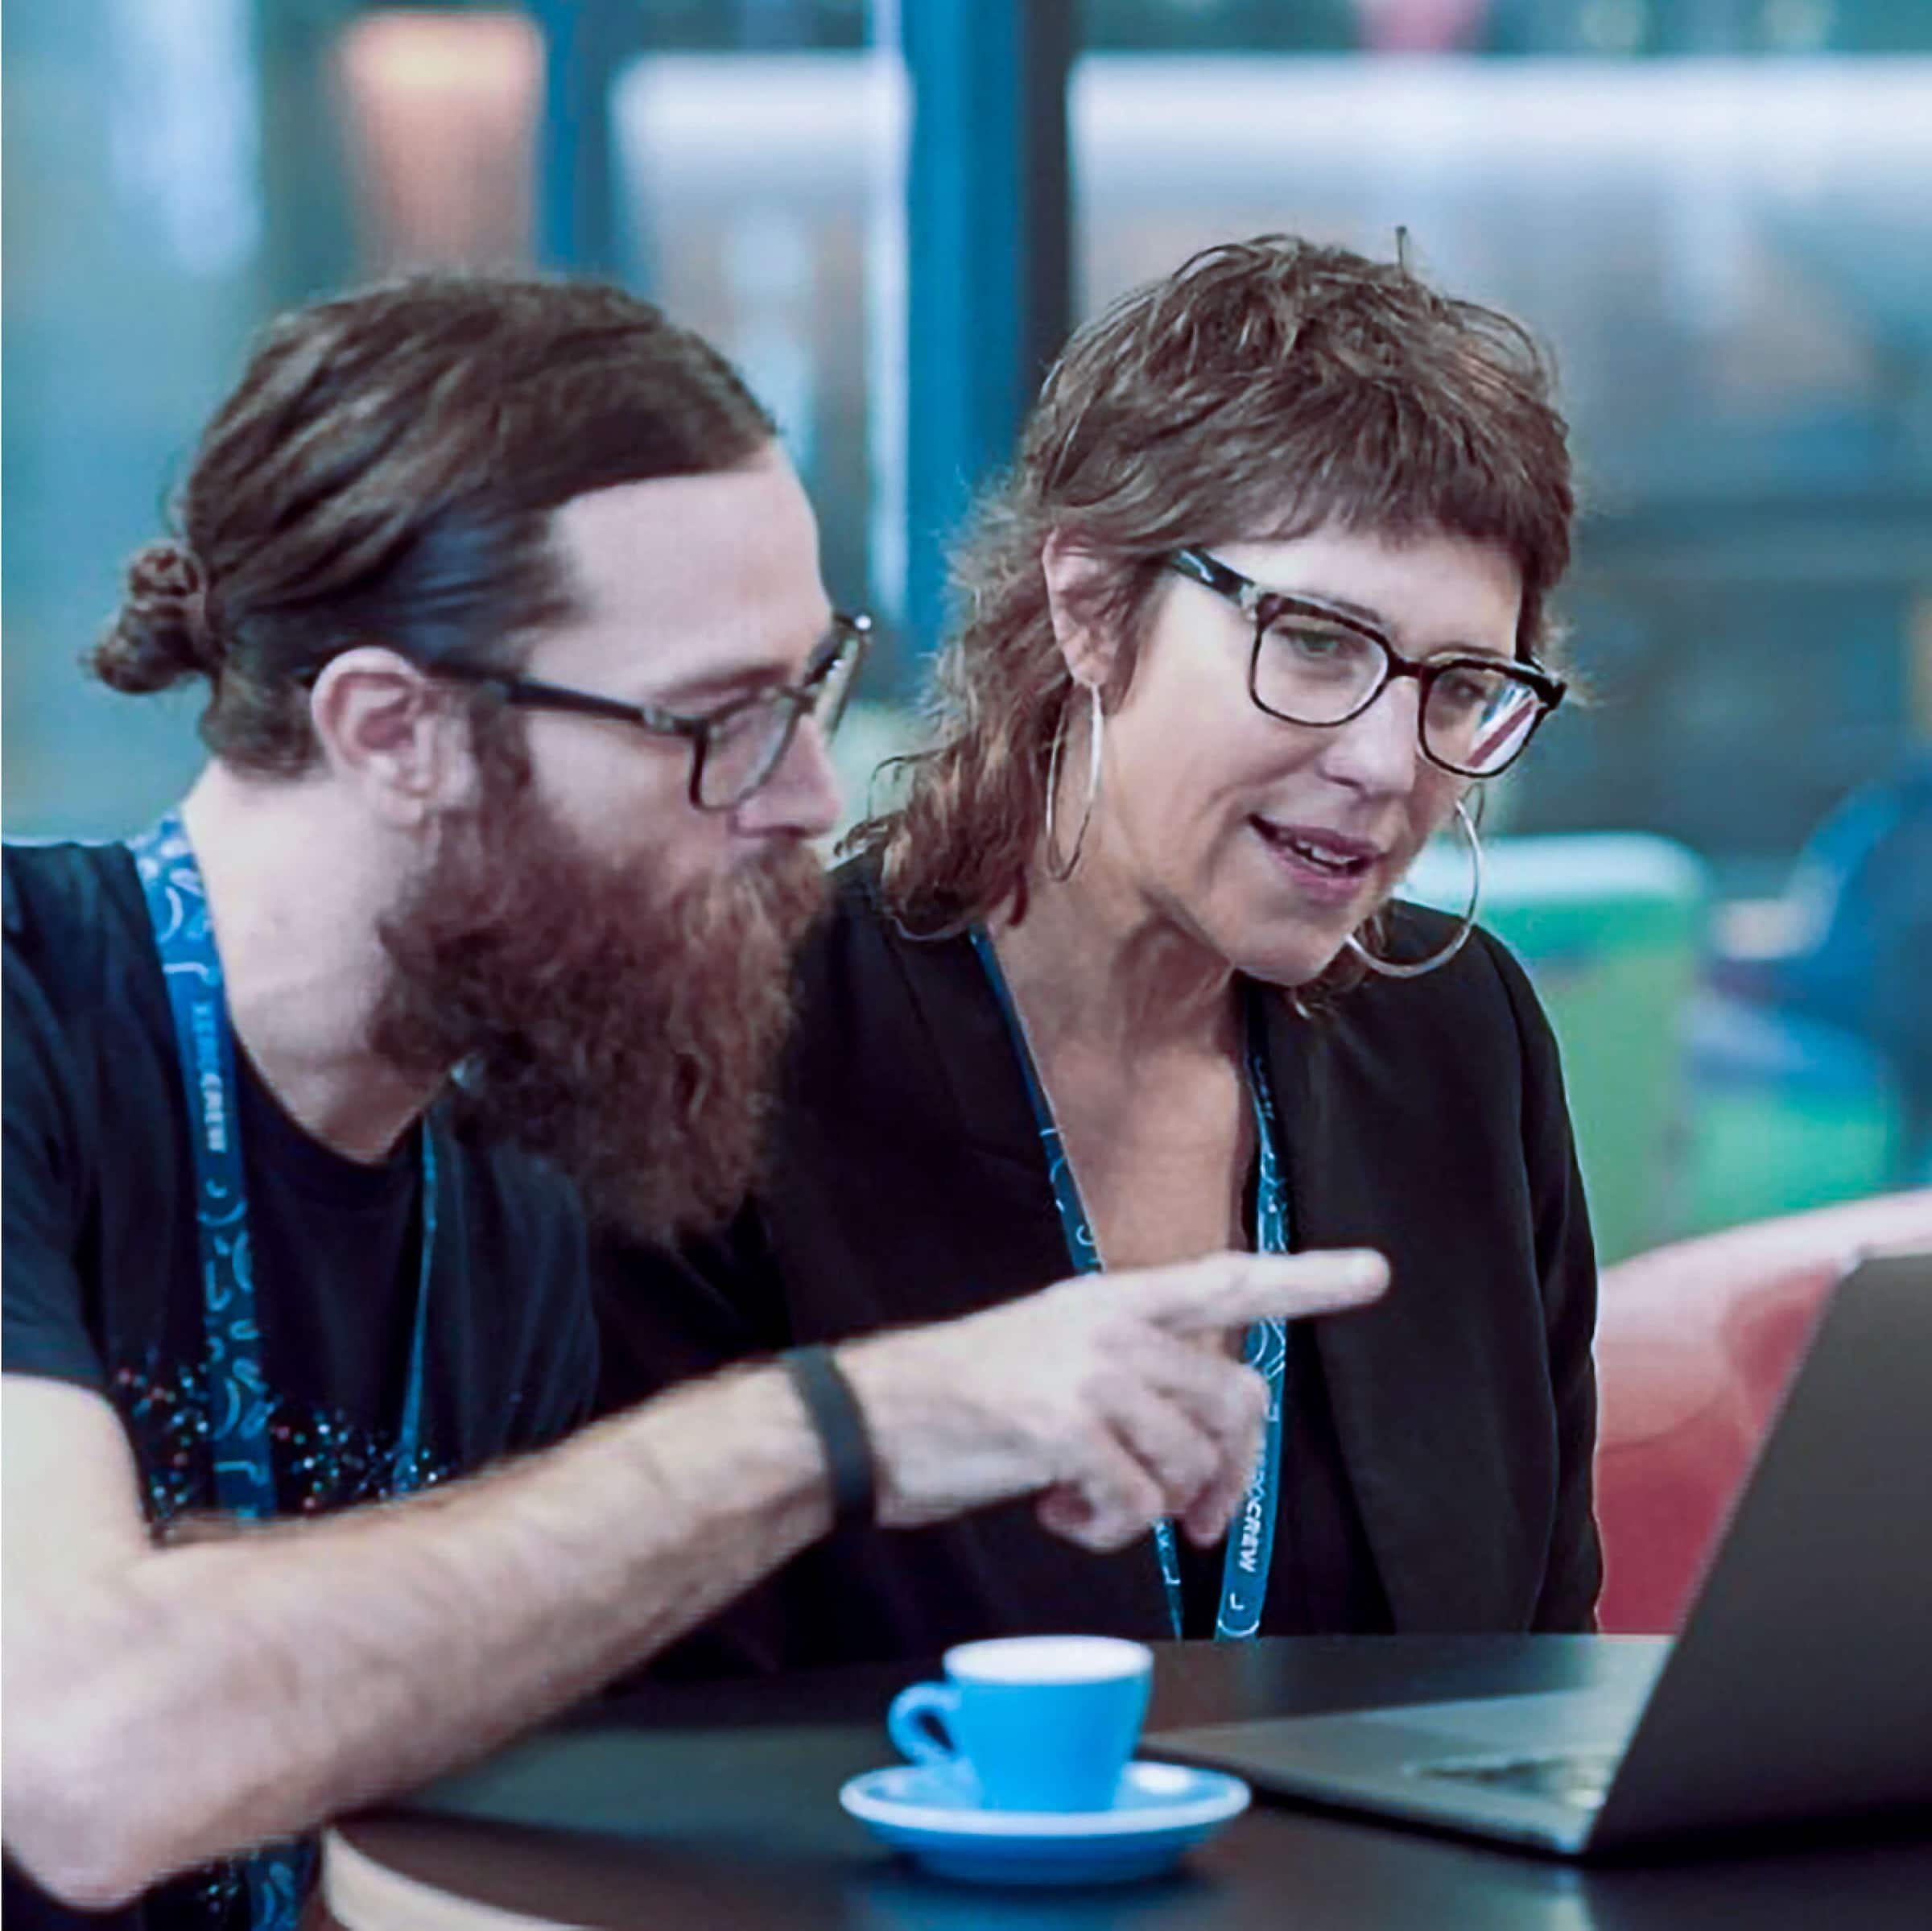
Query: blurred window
[[1714, 210], [442, 111], [758, 202], [1731, 256]]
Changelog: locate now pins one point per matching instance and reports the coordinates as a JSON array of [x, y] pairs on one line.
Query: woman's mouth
[[1327, 865]]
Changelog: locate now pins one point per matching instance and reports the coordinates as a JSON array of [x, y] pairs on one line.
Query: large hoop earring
[[1390, 968], [1058, 872]]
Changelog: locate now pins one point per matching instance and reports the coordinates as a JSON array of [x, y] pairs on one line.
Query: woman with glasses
[[1122, 975]]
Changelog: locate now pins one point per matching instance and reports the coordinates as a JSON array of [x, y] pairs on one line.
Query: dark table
[[714, 1806]]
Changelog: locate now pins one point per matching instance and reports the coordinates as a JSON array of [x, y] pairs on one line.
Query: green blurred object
[[1610, 928], [1788, 1114]]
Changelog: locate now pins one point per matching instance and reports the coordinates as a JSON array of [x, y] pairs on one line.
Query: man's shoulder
[[69, 908], [82, 978], [91, 1137], [516, 1204], [524, 1286]]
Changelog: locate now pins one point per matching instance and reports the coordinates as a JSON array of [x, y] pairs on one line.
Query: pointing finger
[[1231, 1289]]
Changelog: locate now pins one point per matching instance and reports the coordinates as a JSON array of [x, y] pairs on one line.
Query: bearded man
[[479, 917]]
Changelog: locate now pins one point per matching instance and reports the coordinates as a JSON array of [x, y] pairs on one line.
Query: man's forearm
[[240, 1690]]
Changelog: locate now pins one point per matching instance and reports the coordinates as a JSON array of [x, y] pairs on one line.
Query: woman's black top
[[1437, 1461]]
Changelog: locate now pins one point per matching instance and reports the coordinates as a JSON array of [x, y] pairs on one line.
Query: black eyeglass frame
[[1263, 607], [838, 659]]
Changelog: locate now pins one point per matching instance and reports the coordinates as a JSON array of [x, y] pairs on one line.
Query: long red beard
[[626, 1032]]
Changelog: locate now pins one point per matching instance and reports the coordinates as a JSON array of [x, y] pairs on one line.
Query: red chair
[[1695, 1344]]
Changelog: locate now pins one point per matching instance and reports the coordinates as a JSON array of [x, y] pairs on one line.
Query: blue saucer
[[1160, 1810]]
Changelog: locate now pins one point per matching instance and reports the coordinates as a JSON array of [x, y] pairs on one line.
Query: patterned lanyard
[[239, 1400], [1251, 1536]]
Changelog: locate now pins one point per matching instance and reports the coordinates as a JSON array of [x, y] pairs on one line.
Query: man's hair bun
[[161, 634]]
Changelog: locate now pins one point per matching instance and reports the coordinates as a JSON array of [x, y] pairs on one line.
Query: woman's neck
[[1097, 967]]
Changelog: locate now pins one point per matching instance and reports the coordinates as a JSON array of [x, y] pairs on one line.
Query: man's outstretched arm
[[168, 1706]]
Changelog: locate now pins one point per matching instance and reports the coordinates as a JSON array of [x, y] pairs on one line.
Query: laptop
[[1800, 1686]]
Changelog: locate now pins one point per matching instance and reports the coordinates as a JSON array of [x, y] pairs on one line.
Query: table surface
[[716, 1806]]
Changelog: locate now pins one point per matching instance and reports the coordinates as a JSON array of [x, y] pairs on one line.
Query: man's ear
[[390, 731], [1076, 576]]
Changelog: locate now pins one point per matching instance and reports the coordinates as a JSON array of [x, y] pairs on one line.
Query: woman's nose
[[1377, 751]]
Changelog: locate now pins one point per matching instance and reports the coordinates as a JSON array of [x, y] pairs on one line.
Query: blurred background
[[1717, 213]]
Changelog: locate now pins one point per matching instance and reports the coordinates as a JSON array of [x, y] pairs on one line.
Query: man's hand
[[1095, 1391]]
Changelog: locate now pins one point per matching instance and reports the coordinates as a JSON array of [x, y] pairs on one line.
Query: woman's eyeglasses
[[1313, 665]]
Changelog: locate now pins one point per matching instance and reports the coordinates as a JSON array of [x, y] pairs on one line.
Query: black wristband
[[835, 1414]]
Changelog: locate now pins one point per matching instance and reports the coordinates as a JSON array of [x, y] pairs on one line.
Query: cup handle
[[916, 1723]]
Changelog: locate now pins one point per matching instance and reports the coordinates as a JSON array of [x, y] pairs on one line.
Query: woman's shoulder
[[1460, 1059], [861, 978], [853, 938], [862, 934], [1480, 1000], [855, 892]]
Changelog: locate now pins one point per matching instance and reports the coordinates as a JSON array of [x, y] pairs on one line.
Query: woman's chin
[[1292, 963]]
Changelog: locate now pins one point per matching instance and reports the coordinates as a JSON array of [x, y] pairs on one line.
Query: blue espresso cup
[[1037, 1722]]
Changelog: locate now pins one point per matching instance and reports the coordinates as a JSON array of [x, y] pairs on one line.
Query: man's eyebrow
[[720, 686]]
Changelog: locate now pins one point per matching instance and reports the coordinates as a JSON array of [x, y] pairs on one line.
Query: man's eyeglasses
[[734, 750], [1313, 665]]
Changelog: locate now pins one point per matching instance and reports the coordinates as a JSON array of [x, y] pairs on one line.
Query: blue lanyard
[[1251, 1535], [239, 1399]]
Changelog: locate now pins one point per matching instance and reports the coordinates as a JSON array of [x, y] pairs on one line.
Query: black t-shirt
[[102, 1283]]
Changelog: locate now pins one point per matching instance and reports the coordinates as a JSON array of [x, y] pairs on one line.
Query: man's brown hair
[[386, 471], [1263, 390]]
